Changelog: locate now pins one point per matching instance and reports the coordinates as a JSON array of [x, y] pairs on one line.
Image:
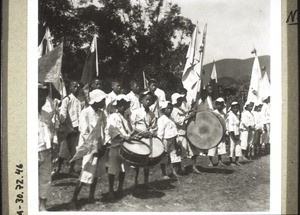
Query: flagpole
[[96, 49], [202, 48]]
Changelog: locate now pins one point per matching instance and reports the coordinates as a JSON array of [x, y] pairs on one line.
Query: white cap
[[248, 102], [120, 97], [164, 104], [175, 96], [234, 103], [220, 99], [42, 86], [265, 97], [96, 96]]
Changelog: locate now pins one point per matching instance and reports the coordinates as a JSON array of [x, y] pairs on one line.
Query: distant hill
[[233, 71]]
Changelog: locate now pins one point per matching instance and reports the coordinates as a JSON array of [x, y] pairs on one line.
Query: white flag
[[214, 73], [253, 94], [191, 77], [49, 46], [264, 87]]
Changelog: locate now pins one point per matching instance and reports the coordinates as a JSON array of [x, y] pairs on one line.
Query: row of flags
[[192, 77], [50, 63], [259, 88]]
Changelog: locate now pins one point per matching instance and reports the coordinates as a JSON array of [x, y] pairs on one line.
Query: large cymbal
[[206, 130]]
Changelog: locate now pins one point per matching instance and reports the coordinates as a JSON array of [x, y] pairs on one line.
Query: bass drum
[[206, 130], [157, 150], [135, 153]]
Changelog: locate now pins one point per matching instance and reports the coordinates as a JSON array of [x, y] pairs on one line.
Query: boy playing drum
[[118, 130], [144, 123]]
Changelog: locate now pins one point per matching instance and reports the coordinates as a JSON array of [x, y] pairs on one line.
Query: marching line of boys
[[95, 131]]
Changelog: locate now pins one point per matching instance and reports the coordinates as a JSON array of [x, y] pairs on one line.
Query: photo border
[[14, 109]]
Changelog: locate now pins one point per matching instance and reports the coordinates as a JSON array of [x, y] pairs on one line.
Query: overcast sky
[[233, 26]]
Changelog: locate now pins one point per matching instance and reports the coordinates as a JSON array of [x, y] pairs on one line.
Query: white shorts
[[218, 150], [266, 134], [68, 146], [235, 148], [115, 163], [169, 145], [244, 140], [45, 170], [185, 148], [92, 167]]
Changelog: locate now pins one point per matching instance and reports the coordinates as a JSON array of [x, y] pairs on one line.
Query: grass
[[242, 188]]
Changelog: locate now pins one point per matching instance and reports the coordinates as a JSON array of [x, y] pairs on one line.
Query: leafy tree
[[132, 38]]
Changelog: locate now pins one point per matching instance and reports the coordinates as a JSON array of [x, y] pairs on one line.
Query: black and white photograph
[[154, 106]]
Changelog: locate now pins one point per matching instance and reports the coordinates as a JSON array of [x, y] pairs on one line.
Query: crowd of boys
[[93, 128]]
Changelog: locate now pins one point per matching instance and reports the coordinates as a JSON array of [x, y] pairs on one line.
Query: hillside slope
[[231, 71]]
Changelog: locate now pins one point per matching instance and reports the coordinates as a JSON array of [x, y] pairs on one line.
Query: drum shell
[[206, 121], [132, 158], [154, 160]]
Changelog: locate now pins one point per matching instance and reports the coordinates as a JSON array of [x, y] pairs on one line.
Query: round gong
[[206, 130]]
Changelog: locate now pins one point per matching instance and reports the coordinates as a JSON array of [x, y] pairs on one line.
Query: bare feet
[[195, 170]]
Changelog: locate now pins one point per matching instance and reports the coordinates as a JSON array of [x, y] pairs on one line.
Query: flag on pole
[[44, 48], [49, 69], [50, 65], [145, 81], [192, 73], [264, 87], [253, 94], [90, 70], [214, 73], [214, 82]]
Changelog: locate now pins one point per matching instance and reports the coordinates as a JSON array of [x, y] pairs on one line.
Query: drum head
[[206, 130], [137, 147], [157, 146]]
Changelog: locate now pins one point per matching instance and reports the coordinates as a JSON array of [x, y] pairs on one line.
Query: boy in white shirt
[[69, 116], [266, 121], [167, 132], [133, 95], [118, 129], [144, 123], [233, 128], [45, 137], [247, 128], [258, 127], [116, 86], [161, 96], [180, 117], [221, 148], [91, 144]]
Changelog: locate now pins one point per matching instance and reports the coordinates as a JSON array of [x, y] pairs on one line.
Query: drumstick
[[151, 144], [179, 184]]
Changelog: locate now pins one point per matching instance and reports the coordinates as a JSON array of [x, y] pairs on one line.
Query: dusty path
[[244, 188]]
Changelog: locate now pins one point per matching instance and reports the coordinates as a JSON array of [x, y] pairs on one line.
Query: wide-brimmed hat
[[234, 103], [220, 99], [257, 103], [164, 104], [248, 102], [175, 97], [96, 96], [121, 97], [265, 97]]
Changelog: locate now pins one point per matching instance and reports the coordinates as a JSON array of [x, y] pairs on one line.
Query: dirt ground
[[241, 188]]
